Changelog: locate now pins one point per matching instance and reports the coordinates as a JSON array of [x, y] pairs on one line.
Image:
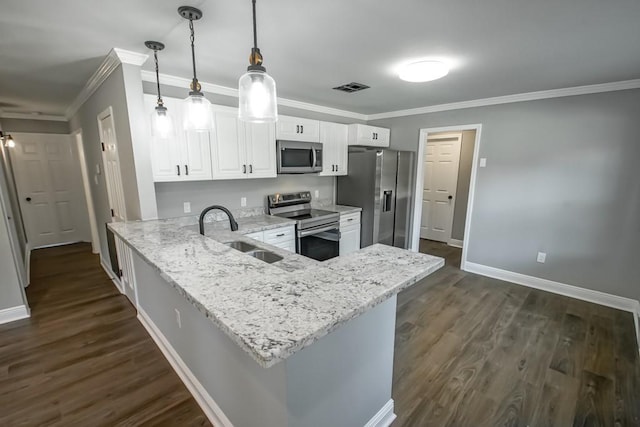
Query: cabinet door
[[297, 129], [341, 148], [329, 148], [349, 240], [383, 136], [368, 136], [196, 156], [166, 153], [228, 151], [261, 150]]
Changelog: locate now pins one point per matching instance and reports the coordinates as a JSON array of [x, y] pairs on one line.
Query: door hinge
[[112, 213], [102, 143], [120, 273]]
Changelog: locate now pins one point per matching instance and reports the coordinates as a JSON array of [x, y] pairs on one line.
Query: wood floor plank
[[493, 365], [83, 358]]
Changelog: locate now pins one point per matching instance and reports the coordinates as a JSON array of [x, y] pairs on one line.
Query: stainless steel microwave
[[299, 157]]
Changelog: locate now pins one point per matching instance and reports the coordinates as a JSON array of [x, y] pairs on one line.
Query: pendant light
[[161, 122], [197, 108], [257, 90]]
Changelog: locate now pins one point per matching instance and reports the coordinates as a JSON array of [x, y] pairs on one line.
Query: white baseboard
[[596, 297], [384, 417], [14, 313], [200, 394], [113, 277], [456, 243]]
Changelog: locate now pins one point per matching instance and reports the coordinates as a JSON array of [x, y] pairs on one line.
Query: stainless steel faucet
[[205, 211]]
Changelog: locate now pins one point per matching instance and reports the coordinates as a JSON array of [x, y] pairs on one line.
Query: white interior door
[[111, 162], [441, 161], [47, 178]]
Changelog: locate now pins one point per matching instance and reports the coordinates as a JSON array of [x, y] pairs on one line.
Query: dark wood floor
[[83, 358], [474, 351]]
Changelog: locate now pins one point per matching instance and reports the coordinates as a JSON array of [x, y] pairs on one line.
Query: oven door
[[321, 243], [299, 157]]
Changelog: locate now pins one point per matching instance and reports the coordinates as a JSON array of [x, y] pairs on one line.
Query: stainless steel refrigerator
[[379, 181]]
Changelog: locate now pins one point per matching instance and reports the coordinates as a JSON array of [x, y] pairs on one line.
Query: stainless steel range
[[317, 231]]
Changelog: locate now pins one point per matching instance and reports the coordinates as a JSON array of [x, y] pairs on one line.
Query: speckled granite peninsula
[[272, 311]]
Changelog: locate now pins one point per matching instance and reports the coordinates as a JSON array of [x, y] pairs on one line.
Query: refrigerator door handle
[[387, 200]]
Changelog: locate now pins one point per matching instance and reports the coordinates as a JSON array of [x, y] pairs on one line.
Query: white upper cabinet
[[334, 139], [242, 150], [368, 135], [182, 157], [297, 129], [228, 150], [261, 150]]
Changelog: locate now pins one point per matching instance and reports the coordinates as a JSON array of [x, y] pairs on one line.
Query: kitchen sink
[[241, 246], [266, 256]]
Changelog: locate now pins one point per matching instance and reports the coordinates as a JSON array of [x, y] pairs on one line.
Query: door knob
[[28, 199], [450, 197]]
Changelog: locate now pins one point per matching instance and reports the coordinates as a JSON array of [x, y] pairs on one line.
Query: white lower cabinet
[[283, 237], [349, 233], [127, 274]]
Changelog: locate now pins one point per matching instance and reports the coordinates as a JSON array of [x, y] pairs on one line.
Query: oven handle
[[306, 233], [327, 235]]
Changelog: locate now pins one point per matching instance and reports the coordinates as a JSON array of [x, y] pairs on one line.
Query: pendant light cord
[[193, 54], [155, 57], [255, 31]]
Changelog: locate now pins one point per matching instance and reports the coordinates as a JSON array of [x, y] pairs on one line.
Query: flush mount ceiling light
[[257, 90], [197, 112], [423, 71], [161, 121]]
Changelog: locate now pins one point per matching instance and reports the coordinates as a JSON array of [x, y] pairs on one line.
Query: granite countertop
[[270, 310]]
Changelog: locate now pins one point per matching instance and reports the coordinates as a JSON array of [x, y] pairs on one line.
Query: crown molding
[[129, 57], [168, 80], [521, 97], [29, 116], [114, 58]]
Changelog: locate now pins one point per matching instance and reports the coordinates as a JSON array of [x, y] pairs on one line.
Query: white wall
[[562, 177], [11, 291]]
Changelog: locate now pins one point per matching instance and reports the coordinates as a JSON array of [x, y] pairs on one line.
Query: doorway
[[48, 184], [444, 190]]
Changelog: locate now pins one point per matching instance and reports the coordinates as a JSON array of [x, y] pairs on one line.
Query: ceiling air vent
[[351, 87]]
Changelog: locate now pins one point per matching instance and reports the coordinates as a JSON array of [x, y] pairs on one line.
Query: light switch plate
[[542, 257], [483, 162], [187, 207], [243, 202], [317, 194]]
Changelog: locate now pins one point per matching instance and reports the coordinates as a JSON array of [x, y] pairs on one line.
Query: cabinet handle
[[301, 128], [297, 128], [250, 168], [280, 235], [178, 167], [333, 168], [186, 169], [336, 168], [350, 219], [244, 168]]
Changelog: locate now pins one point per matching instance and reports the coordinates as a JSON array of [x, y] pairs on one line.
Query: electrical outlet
[[542, 257], [317, 194], [483, 162], [243, 202], [178, 320], [187, 207]]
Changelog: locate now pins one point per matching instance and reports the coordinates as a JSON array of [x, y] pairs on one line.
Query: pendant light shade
[[257, 90], [162, 125], [197, 109]]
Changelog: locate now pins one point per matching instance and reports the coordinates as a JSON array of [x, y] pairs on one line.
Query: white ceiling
[[496, 47]]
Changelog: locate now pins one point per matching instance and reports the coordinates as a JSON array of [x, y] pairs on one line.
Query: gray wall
[[10, 287], [170, 196], [34, 126], [562, 177], [110, 93]]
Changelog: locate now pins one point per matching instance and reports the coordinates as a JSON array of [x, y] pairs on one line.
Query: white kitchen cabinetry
[[282, 237], [297, 129], [241, 150], [368, 135], [183, 157], [335, 148], [349, 233]]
